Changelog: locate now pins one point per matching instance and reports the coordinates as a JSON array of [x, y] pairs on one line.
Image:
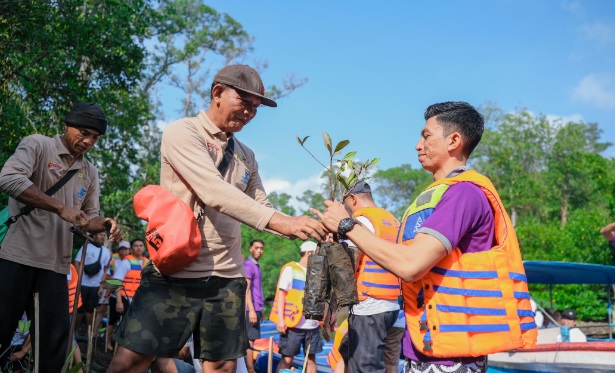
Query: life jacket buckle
[[420, 302], [427, 346], [423, 326]]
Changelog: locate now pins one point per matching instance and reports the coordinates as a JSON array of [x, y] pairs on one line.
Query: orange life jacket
[[293, 306], [372, 280], [133, 277], [72, 289], [469, 304], [334, 356]]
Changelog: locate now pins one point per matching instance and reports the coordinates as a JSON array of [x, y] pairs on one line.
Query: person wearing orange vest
[[128, 270], [463, 282], [295, 330], [72, 279], [371, 321]]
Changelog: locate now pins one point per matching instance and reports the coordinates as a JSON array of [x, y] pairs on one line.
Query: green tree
[[397, 187], [310, 198], [575, 166], [116, 54], [281, 202], [512, 154]]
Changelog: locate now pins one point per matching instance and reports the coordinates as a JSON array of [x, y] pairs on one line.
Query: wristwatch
[[345, 226]]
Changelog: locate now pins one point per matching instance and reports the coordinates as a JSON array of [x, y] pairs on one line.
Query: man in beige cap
[[36, 251], [206, 166]]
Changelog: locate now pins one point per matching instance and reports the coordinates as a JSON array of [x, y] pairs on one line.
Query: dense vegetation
[[553, 178]]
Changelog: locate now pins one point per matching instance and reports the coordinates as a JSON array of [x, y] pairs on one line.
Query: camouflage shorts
[[166, 311]]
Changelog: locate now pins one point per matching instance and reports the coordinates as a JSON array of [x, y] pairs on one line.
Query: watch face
[[346, 225]]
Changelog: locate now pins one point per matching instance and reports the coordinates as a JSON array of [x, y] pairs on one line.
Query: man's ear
[[216, 91], [455, 142]]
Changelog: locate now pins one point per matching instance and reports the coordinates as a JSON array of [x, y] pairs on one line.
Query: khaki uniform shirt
[[42, 239], [191, 150]]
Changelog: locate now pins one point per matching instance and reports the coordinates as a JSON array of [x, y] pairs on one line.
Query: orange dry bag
[[173, 237]]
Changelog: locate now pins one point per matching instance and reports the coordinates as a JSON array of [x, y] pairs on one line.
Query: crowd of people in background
[[213, 307]]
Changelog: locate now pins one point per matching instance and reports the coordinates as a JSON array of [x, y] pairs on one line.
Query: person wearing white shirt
[[569, 318]]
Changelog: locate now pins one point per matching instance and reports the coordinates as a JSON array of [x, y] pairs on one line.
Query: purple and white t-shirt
[[463, 218]]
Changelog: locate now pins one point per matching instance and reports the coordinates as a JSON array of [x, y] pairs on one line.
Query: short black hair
[[459, 116], [259, 241], [135, 240]]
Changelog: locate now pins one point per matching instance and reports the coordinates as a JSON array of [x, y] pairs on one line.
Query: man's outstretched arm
[[607, 232]]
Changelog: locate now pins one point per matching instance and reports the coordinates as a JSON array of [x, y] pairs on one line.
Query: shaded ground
[[100, 358]]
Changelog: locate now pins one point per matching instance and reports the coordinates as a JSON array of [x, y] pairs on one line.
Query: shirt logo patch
[[80, 195], [418, 224], [245, 178], [242, 157], [54, 166], [213, 147]]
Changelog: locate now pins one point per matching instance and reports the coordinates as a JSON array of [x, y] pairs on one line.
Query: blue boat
[[595, 355]]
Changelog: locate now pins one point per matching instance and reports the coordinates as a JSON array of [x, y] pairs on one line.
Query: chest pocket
[[241, 173]]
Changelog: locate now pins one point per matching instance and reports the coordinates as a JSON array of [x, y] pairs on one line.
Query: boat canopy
[[546, 272]]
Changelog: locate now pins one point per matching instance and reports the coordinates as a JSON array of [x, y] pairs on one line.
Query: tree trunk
[[564, 207]]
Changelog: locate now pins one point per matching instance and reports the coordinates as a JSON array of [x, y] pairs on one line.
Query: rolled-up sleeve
[[16, 173]]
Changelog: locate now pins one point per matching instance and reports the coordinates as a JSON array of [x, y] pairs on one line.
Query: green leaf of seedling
[[351, 178], [350, 155], [350, 165], [341, 145], [327, 140], [301, 142], [374, 161], [343, 181]]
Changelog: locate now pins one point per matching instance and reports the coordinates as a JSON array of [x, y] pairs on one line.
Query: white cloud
[[560, 120], [597, 90], [601, 32], [574, 7], [295, 189], [557, 120]]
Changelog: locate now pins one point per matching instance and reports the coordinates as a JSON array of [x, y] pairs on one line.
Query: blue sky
[[373, 68]]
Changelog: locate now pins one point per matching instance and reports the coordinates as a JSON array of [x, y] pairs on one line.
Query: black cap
[[569, 314], [86, 115], [246, 79], [361, 187]]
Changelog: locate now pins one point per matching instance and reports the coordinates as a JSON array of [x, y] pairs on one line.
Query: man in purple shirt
[[254, 297], [462, 219]]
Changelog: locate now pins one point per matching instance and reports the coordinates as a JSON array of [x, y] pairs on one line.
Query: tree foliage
[[398, 186], [116, 54]]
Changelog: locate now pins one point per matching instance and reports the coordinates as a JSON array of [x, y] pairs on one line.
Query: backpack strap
[[26, 210]]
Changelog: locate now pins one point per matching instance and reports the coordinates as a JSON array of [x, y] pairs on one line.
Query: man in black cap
[[569, 319], [206, 166], [37, 249]]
